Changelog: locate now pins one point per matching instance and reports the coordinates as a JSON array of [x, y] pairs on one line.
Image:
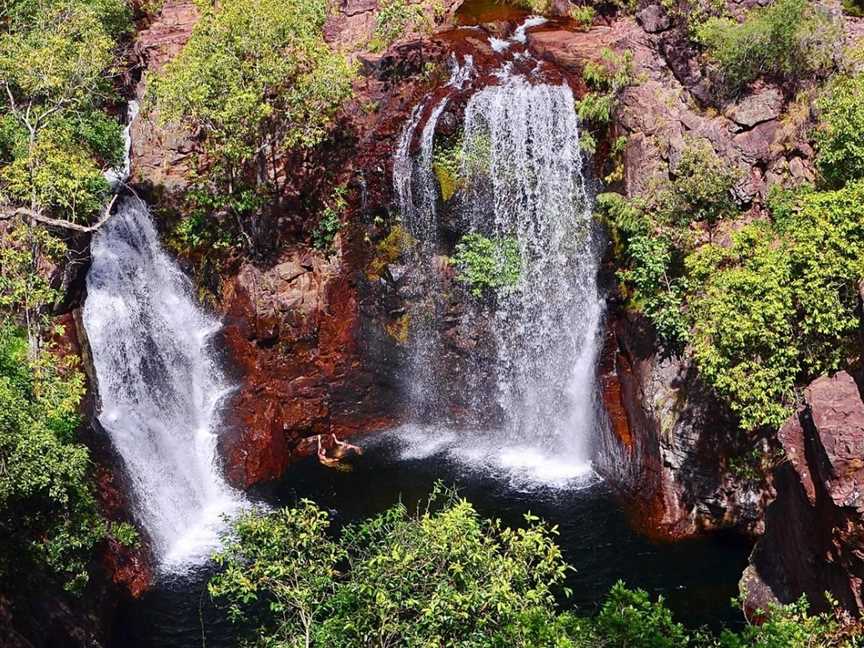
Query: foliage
[[786, 40], [330, 222], [702, 190], [583, 15], [55, 138], [23, 288], [396, 18], [780, 304], [388, 251], [48, 513], [487, 264], [606, 81], [539, 7], [258, 79], [838, 139], [652, 236], [443, 576], [792, 626], [447, 166], [743, 333], [629, 618]]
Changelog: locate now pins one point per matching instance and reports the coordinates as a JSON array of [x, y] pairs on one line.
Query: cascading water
[[526, 183], [160, 385], [523, 182]]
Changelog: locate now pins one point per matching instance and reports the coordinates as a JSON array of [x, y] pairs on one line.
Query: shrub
[[48, 516], [702, 190], [258, 79], [583, 15], [487, 264], [331, 220], [396, 18], [781, 304], [443, 576], [606, 81], [840, 156], [743, 334], [787, 40], [55, 136]]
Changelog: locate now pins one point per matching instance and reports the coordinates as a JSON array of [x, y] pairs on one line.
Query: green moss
[[388, 251], [399, 328]]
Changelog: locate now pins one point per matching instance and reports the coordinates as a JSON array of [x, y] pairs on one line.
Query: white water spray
[[160, 385], [525, 183]]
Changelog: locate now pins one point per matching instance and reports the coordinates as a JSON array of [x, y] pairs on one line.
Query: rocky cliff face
[[669, 441], [814, 529]]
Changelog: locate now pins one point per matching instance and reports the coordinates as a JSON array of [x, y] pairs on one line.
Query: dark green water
[[697, 577]]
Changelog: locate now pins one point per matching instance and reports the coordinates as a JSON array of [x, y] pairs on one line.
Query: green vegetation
[[447, 166], [388, 251], [331, 220], [258, 80], [48, 516], [761, 314], [55, 138], [786, 40], [57, 62], [397, 18], [652, 236], [606, 81], [444, 576], [487, 264], [583, 15], [841, 150]]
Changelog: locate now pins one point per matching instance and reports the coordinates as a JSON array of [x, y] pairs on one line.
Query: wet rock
[[653, 19], [756, 108], [668, 437], [294, 331], [814, 529]]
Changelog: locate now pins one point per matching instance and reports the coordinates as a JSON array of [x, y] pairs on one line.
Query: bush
[[397, 18], [258, 79], [60, 95], [840, 156], [606, 81], [48, 517], [652, 237], [443, 576], [487, 264], [787, 40], [780, 305]]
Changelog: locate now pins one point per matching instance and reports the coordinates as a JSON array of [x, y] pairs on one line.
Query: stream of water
[[160, 387]]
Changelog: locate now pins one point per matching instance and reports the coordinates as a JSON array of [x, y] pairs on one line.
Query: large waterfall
[[161, 388], [523, 182]]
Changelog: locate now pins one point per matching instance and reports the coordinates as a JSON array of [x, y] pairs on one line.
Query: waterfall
[[529, 186], [116, 177], [160, 385], [523, 177]]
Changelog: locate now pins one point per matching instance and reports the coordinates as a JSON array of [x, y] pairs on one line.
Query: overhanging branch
[[39, 217]]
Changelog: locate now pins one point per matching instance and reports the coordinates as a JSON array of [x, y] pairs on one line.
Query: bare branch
[[7, 214]]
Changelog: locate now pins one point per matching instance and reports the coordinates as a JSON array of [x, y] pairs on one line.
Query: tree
[[48, 516], [444, 576], [55, 137], [257, 79]]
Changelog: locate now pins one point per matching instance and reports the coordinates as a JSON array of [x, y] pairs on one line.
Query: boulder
[[653, 19], [814, 528], [762, 106]]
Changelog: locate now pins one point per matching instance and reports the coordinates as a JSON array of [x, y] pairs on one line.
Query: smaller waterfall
[[160, 385], [118, 176]]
